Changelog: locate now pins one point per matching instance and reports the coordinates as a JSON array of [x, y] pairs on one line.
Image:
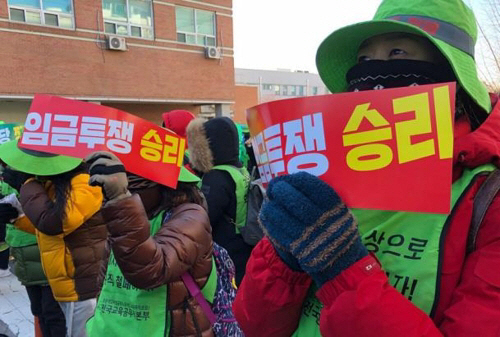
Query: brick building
[[141, 56]]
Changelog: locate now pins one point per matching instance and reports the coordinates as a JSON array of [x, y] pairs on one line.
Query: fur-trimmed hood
[[212, 142]]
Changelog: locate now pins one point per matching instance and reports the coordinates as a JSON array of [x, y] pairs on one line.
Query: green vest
[[241, 178], [408, 246], [18, 238], [123, 309], [5, 189], [14, 236]]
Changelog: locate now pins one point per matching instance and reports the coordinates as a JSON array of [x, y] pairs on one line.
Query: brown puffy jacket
[[183, 243], [72, 249]]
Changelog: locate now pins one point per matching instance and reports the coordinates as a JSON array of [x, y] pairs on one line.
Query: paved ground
[[15, 315]]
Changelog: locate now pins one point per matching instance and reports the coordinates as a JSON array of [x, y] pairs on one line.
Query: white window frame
[[195, 34], [42, 13], [130, 25]]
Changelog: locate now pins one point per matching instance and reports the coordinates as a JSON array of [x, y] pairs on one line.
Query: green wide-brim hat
[[187, 177], [449, 24], [35, 162]]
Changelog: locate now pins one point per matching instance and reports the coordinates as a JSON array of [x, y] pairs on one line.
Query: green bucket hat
[[187, 177], [35, 162], [449, 24]]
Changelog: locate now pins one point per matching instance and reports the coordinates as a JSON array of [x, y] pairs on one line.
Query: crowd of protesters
[[105, 252]]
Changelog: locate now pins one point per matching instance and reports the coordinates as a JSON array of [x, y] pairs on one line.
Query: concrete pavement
[[15, 314]]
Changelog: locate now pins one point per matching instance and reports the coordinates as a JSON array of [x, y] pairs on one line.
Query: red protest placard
[[73, 128], [389, 149]]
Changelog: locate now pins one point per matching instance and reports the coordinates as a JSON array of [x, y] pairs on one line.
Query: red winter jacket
[[361, 302]]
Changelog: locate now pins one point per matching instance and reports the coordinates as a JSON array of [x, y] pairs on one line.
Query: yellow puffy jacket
[[72, 249]]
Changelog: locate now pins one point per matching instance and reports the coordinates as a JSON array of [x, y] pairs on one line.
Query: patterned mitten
[[107, 171], [307, 219]]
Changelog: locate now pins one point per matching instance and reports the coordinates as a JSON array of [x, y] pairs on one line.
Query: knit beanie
[[177, 121]]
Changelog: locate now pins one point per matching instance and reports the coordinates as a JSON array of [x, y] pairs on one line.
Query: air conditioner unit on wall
[[116, 43], [212, 53]]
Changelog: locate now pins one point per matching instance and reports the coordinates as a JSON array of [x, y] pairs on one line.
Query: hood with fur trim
[[212, 142]]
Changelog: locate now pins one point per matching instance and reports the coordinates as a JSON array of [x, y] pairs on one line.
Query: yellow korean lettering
[[407, 151], [363, 111], [444, 125], [367, 137], [360, 158], [151, 150], [180, 154], [170, 149], [17, 131]]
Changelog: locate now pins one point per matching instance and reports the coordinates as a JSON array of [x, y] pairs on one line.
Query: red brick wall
[[88, 14], [164, 17], [245, 97], [62, 65], [3, 10]]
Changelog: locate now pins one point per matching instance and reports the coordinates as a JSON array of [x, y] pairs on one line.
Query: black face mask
[[377, 74]]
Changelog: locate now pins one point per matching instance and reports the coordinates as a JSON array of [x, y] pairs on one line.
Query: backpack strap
[[201, 295], [195, 291], [482, 201]]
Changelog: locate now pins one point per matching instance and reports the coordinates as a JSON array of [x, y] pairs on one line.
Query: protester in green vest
[[427, 274], [4, 247], [27, 267], [157, 234], [62, 210], [214, 148], [243, 154]]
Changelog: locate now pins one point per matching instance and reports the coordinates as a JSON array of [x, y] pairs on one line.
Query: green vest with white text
[[124, 310], [408, 246]]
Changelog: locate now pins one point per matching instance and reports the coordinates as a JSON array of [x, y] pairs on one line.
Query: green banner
[[10, 132]]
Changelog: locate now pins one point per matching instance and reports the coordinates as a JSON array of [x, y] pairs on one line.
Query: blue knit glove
[[304, 217]]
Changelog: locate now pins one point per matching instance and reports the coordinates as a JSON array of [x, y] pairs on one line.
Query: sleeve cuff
[[349, 279], [278, 267]]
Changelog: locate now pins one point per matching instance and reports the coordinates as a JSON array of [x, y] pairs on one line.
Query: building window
[[285, 90], [277, 90], [195, 26], [57, 13], [267, 87], [294, 90], [301, 90], [128, 17], [315, 91]]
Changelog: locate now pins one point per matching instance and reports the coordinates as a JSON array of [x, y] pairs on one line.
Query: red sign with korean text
[[388, 149], [73, 128]]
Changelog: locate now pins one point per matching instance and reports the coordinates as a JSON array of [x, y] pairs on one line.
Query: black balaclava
[[378, 74]]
